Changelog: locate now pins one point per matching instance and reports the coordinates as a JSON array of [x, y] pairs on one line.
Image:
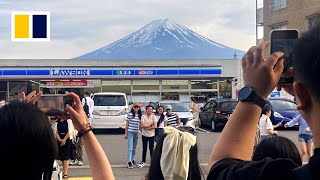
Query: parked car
[[110, 110], [215, 113], [181, 110], [282, 109]]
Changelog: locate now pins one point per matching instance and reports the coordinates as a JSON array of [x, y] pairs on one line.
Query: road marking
[[200, 130], [80, 178]]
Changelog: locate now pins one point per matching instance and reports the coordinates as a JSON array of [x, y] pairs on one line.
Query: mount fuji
[[163, 39]]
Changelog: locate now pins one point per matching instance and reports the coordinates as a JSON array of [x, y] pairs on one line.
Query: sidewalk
[[120, 172]]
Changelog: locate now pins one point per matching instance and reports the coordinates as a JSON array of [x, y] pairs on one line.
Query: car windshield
[[283, 105], [227, 105], [177, 107], [109, 100]]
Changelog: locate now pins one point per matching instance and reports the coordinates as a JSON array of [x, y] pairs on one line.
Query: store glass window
[[16, 87], [3, 90], [204, 84], [123, 86], [174, 84], [146, 85]]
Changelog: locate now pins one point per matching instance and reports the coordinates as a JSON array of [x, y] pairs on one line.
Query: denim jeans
[[132, 144]]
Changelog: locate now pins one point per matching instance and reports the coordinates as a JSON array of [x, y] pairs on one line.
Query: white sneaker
[[141, 165], [73, 162], [80, 163]]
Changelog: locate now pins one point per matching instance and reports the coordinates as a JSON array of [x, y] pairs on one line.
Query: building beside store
[[288, 14]]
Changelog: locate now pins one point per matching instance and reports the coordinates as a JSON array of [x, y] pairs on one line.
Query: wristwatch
[[247, 94]]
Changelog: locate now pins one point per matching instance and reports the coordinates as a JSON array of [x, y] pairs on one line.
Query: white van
[[110, 110]]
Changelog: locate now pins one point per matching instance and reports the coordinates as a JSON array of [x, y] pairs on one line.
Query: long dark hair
[[155, 172], [27, 137], [277, 147], [134, 113]]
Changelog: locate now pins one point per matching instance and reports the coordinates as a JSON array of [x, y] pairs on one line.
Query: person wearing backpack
[[162, 122], [231, 155], [88, 105]]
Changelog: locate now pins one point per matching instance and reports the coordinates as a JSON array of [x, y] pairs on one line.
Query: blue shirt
[[133, 122], [302, 125]]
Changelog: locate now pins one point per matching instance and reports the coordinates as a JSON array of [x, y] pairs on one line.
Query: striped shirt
[[172, 120], [133, 122]]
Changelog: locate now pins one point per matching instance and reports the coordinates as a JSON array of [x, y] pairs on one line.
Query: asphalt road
[[115, 147]]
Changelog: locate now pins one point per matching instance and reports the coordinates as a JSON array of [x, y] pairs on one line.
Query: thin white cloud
[[80, 26]]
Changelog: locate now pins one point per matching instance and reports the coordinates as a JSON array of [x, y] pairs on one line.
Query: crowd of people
[[28, 136]]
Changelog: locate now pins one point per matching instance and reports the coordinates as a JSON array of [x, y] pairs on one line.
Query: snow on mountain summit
[[163, 39]]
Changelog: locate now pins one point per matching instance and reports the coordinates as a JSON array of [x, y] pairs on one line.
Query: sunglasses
[[136, 106]]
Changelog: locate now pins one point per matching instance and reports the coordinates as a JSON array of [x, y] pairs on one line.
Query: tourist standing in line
[[131, 132]]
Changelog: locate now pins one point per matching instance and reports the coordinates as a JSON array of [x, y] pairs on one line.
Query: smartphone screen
[[57, 102], [284, 41]]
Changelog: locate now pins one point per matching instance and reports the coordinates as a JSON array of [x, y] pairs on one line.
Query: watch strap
[[258, 100]]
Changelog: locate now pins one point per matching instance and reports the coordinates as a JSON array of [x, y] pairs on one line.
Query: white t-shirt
[[148, 121], [265, 124], [161, 125], [90, 104]]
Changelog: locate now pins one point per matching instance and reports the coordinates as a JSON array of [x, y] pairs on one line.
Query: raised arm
[[293, 121], [237, 138], [99, 163]]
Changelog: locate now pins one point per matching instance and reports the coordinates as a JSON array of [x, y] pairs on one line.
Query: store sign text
[[69, 72]]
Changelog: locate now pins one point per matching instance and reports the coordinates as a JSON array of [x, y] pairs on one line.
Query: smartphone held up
[[283, 40], [55, 104]]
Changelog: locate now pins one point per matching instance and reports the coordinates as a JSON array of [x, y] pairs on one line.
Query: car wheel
[[213, 126]]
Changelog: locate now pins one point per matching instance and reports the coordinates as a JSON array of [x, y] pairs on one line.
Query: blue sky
[[81, 26]]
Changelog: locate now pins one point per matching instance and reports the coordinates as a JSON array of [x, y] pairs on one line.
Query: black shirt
[[282, 169]]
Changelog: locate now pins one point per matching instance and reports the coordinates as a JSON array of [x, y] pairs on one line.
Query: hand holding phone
[[283, 40]]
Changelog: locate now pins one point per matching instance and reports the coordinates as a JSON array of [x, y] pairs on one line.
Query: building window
[[279, 26], [313, 19], [278, 4]]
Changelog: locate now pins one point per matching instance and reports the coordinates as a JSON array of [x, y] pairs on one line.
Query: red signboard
[[69, 83]]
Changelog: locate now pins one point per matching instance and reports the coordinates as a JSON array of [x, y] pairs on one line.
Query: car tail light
[[123, 112], [95, 112], [218, 111]]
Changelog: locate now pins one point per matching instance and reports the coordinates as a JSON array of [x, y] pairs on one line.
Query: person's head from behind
[[27, 138], [151, 104], [164, 156], [306, 64], [87, 94], [266, 110], [277, 147], [193, 99]]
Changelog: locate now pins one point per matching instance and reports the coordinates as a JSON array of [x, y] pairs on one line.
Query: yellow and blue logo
[[30, 26]]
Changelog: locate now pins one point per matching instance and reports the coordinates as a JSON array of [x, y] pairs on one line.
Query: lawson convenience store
[[145, 83]]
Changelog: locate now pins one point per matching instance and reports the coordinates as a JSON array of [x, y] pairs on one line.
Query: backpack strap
[[160, 120]]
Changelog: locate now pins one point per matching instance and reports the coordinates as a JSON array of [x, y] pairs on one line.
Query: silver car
[[181, 110]]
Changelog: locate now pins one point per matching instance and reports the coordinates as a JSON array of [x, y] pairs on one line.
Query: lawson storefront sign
[[105, 73]]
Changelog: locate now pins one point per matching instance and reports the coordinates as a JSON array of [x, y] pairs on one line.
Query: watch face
[[244, 93]]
